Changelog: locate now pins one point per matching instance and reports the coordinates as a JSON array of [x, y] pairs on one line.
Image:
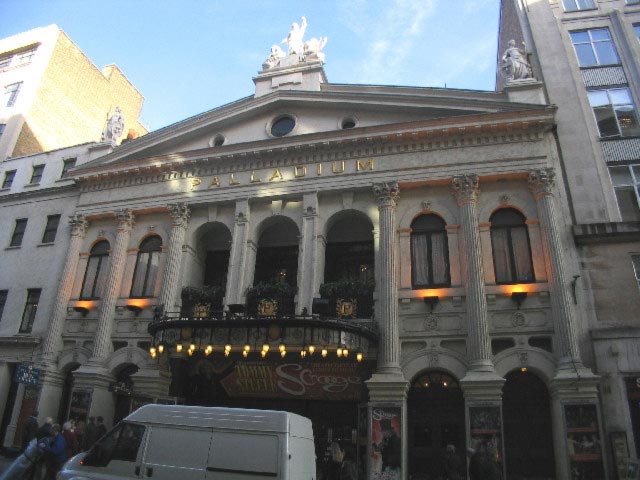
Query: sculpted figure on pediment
[[115, 127], [514, 64], [298, 50]]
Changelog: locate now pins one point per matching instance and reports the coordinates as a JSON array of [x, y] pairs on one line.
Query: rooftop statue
[[297, 49], [115, 127], [514, 65]]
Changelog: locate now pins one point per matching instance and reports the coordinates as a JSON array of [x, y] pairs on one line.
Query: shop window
[[3, 301], [122, 443], [615, 112], [51, 229], [8, 178], [626, 183], [96, 273], [30, 310], [146, 271], [429, 252], [18, 232], [511, 248], [573, 5], [594, 47]]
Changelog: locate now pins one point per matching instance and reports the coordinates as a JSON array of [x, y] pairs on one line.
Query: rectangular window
[[69, 163], [2, 127], [594, 47], [51, 228], [8, 178], [635, 259], [11, 94], [30, 309], [626, 183], [636, 29], [573, 5], [633, 2], [36, 176], [25, 57], [18, 232], [5, 61], [615, 112], [3, 301]]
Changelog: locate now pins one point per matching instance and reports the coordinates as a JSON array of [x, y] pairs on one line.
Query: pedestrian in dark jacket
[[89, 437], [70, 437], [56, 452], [45, 430], [483, 464], [101, 430], [30, 430]]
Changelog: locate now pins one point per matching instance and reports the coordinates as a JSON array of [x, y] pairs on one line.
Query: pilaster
[[238, 254], [308, 252], [180, 215]]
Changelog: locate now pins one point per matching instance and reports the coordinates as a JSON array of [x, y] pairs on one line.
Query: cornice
[[25, 194], [414, 137]]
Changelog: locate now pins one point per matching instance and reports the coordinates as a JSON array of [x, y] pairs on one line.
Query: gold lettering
[[334, 168], [299, 171], [276, 175], [215, 181], [195, 182], [319, 169], [232, 180], [254, 179], [364, 166]]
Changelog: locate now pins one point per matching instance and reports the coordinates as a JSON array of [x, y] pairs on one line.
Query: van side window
[[121, 443]]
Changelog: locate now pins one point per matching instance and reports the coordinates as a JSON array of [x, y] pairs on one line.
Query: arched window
[[145, 274], [510, 245], [96, 273], [429, 253]]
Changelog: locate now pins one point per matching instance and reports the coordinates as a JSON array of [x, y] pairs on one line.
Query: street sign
[[27, 374]]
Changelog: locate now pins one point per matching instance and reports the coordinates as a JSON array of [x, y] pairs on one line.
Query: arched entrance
[[123, 389], [436, 420], [528, 440], [64, 410]]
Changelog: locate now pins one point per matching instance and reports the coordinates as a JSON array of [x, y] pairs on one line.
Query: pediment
[[318, 116]]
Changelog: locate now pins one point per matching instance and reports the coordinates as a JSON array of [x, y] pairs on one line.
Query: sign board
[[27, 374], [386, 443]]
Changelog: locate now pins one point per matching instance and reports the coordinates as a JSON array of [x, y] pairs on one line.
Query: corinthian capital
[[179, 213], [125, 219], [78, 224], [541, 182], [386, 194], [466, 188]]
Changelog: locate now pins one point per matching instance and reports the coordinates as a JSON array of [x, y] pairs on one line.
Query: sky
[[190, 56]]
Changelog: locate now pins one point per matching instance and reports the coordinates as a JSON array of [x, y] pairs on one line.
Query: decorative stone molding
[[431, 323], [426, 205], [179, 213], [466, 188], [434, 359], [505, 200], [126, 219], [518, 320], [79, 225], [541, 181], [386, 194]]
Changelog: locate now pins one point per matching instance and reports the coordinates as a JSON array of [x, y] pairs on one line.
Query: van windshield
[[122, 443]]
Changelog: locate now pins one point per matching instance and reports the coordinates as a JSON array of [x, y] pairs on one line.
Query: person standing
[[56, 452], [30, 430], [483, 464], [89, 437], [101, 430], [71, 439], [45, 429]]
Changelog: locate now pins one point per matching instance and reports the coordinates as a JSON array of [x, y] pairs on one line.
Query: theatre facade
[[394, 263]]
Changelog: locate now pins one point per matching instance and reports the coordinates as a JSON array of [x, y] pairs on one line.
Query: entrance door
[[528, 442], [436, 421]]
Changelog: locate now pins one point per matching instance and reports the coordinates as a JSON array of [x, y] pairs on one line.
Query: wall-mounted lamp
[[135, 309], [82, 310], [431, 300], [518, 297]]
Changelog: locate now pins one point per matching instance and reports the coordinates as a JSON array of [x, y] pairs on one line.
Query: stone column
[[386, 195], [466, 190], [51, 344], [180, 215], [102, 342], [238, 254], [308, 253]]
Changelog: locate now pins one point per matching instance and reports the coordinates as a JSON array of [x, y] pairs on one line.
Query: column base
[[152, 382], [52, 384], [387, 387], [95, 379]]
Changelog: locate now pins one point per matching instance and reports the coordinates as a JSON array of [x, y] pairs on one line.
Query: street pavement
[[4, 463]]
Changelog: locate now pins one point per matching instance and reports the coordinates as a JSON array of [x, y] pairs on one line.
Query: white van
[[163, 442]]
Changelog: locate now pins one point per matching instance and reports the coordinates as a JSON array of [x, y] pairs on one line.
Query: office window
[[429, 252], [18, 232], [5, 61], [615, 112], [36, 176], [96, 272], [594, 47], [572, 5], [68, 164], [8, 178], [25, 57], [511, 249], [3, 301], [636, 29], [635, 260], [50, 229], [626, 184], [11, 94], [146, 271], [30, 309]]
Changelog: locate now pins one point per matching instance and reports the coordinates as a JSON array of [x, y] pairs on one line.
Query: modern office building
[[55, 97]]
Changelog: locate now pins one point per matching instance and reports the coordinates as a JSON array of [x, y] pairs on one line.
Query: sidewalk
[[5, 462]]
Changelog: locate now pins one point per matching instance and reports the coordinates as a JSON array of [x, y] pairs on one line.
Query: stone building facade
[[45, 77], [395, 263]]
